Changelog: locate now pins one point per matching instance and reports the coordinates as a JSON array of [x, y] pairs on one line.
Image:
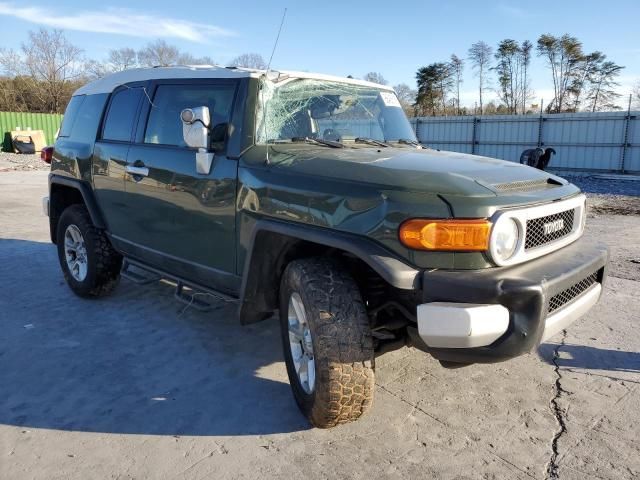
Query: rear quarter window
[[85, 126], [70, 115]]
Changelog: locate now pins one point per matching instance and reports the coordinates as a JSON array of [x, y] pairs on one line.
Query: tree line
[[581, 81], [42, 75]]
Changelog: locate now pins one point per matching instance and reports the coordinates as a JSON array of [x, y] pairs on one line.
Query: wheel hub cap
[[75, 253], [301, 344]]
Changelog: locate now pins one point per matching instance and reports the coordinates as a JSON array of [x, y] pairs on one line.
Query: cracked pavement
[[552, 466], [135, 386]]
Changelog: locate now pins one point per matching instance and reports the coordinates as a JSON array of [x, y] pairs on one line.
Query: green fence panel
[[49, 123]]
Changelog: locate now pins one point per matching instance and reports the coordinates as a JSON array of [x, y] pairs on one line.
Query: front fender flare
[[262, 260]]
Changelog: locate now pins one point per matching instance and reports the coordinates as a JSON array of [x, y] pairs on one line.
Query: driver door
[[180, 220]]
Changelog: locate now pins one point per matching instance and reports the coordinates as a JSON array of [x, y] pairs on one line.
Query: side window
[[121, 115], [84, 126], [164, 126], [70, 115]]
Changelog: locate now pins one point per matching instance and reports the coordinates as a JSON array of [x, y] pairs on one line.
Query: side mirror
[[195, 126], [195, 131]]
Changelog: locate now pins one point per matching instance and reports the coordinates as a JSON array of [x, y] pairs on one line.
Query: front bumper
[[540, 298]]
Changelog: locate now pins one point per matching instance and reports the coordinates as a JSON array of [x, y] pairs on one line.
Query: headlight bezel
[[496, 230]]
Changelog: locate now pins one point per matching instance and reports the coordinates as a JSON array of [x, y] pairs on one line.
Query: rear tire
[[337, 338], [89, 263]]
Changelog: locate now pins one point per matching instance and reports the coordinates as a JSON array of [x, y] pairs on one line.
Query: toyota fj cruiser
[[309, 195]]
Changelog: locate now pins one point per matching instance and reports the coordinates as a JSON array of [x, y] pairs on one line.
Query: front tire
[[327, 342], [89, 263]]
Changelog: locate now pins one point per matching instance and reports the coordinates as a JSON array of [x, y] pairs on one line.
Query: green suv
[[308, 195]]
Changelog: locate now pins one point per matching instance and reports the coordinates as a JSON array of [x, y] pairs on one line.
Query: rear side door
[[181, 220], [110, 156]]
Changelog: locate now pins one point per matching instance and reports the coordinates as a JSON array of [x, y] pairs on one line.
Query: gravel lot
[[135, 386], [10, 162]]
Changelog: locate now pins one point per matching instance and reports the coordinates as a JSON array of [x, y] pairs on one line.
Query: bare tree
[[50, 64], [10, 62], [480, 55], [407, 97], [375, 77], [122, 59], [249, 60], [636, 95], [93, 70], [457, 65], [188, 59], [158, 53]]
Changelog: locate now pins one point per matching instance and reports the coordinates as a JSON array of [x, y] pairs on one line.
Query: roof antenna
[[264, 107], [284, 14]]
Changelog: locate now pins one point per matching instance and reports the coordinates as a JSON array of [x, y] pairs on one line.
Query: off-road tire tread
[[108, 262], [343, 345]]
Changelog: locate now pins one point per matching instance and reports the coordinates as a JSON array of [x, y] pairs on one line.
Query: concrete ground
[[137, 386]]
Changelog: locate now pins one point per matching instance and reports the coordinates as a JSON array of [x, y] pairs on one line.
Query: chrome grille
[[566, 296], [536, 230]]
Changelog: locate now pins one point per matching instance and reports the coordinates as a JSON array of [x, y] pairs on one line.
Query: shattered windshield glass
[[308, 109]]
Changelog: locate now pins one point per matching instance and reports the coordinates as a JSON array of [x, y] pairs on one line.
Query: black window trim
[[144, 115], [136, 114]]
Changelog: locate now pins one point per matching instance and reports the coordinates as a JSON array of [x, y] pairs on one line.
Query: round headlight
[[504, 239]]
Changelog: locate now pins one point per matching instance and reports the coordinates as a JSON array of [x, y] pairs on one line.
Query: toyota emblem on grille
[[553, 227]]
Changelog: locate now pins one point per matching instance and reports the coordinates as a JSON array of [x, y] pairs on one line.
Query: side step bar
[[186, 292], [138, 277], [190, 297]]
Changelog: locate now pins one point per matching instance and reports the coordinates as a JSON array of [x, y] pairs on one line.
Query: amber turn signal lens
[[446, 235]]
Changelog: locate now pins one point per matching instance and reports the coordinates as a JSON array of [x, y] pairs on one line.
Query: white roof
[[110, 82]]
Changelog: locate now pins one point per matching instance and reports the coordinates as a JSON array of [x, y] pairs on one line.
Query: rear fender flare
[[87, 195]]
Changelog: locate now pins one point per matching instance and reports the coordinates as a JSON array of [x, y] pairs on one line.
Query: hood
[[431, 171]]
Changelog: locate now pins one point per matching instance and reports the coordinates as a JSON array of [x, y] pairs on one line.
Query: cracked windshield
[[331, 113]]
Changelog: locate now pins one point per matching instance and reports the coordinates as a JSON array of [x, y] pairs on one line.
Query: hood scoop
[[526, 185]]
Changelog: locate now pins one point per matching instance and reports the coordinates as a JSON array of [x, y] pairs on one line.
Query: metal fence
[[598, 142], [49, 123]]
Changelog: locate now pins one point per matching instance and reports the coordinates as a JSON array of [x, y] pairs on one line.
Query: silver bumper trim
[[45, 206], [461, 325]]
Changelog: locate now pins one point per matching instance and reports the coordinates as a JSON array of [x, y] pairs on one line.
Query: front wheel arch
[[274, 244]]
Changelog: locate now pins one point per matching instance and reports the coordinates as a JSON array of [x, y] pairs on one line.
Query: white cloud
[[118, 21]]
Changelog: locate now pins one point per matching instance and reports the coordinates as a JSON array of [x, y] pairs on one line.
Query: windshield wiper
[[371, 141], [318, 141]]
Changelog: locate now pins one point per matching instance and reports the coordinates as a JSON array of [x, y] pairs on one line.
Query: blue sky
[[337, 37]]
